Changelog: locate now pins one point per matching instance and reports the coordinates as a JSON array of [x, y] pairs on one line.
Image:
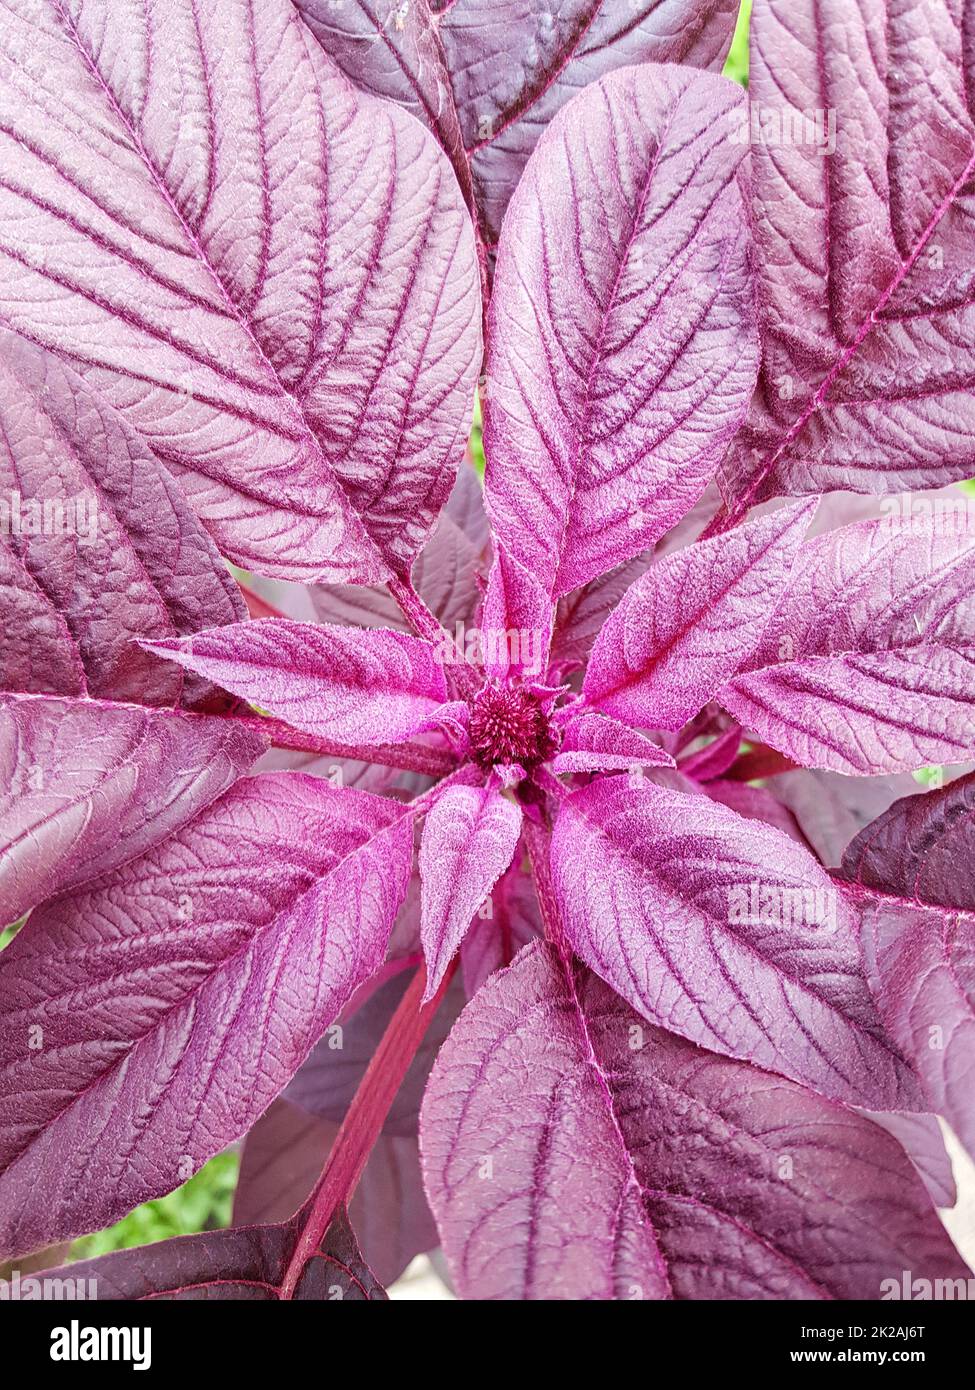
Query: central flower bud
[[508, 725]]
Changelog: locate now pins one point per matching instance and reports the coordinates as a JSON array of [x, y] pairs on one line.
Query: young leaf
[[150, 1018], [469, 837], [572, 1151], [594, 742], [691, 621], [725, 931], [454, 71], [244, 1263], [623, 346], [88, 785], [270, 275], [869, 662], [863, 148], [351, 685], [915, 867]]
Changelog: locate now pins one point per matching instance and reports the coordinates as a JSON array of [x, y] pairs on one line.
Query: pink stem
[[365, 1118], [408, 757]]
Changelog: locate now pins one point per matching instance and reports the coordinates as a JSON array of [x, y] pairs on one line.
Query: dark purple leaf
[[151, 1018], [496, 937], [487, 76], [87, 785], [623, 347], [282, 1158], [863, 149], [571, 1151], [246, 1262], [725, 931], [270, 275], [914, 868]]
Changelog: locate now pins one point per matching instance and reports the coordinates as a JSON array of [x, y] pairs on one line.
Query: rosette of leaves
[[599, 738]]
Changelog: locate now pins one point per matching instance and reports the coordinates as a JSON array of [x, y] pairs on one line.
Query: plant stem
[[365, 1118], [405, 756]]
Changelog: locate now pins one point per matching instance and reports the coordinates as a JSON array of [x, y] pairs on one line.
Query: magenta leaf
[[469, 837], [623, 348], [868, 665], [177, 996], [353, 685], [725, 931], [863, 148], [271, 275], [98, 544], [921, 1139], [913, 869], [87, 785], [488, 75], [594, 742], [572, 1151], [496, 937], [245, 1262], [282, 1158], [692, 621], [326, 1083]]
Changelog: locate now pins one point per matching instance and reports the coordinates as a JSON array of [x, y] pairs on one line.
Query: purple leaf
[[445, 574], [921, 1139], [88, 785], [178, 995], [692, 621], [623, 348], [351, 685], [469, 837], [270, 275], [329, 1078], [868, 665], [572, 1151], [863, 148], [755, 803], [594, 742], [104, 544], [725, 931], [917, 897], [244, 1263], [488, 77], [495, 939], [282, 1159], [831, 808]]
